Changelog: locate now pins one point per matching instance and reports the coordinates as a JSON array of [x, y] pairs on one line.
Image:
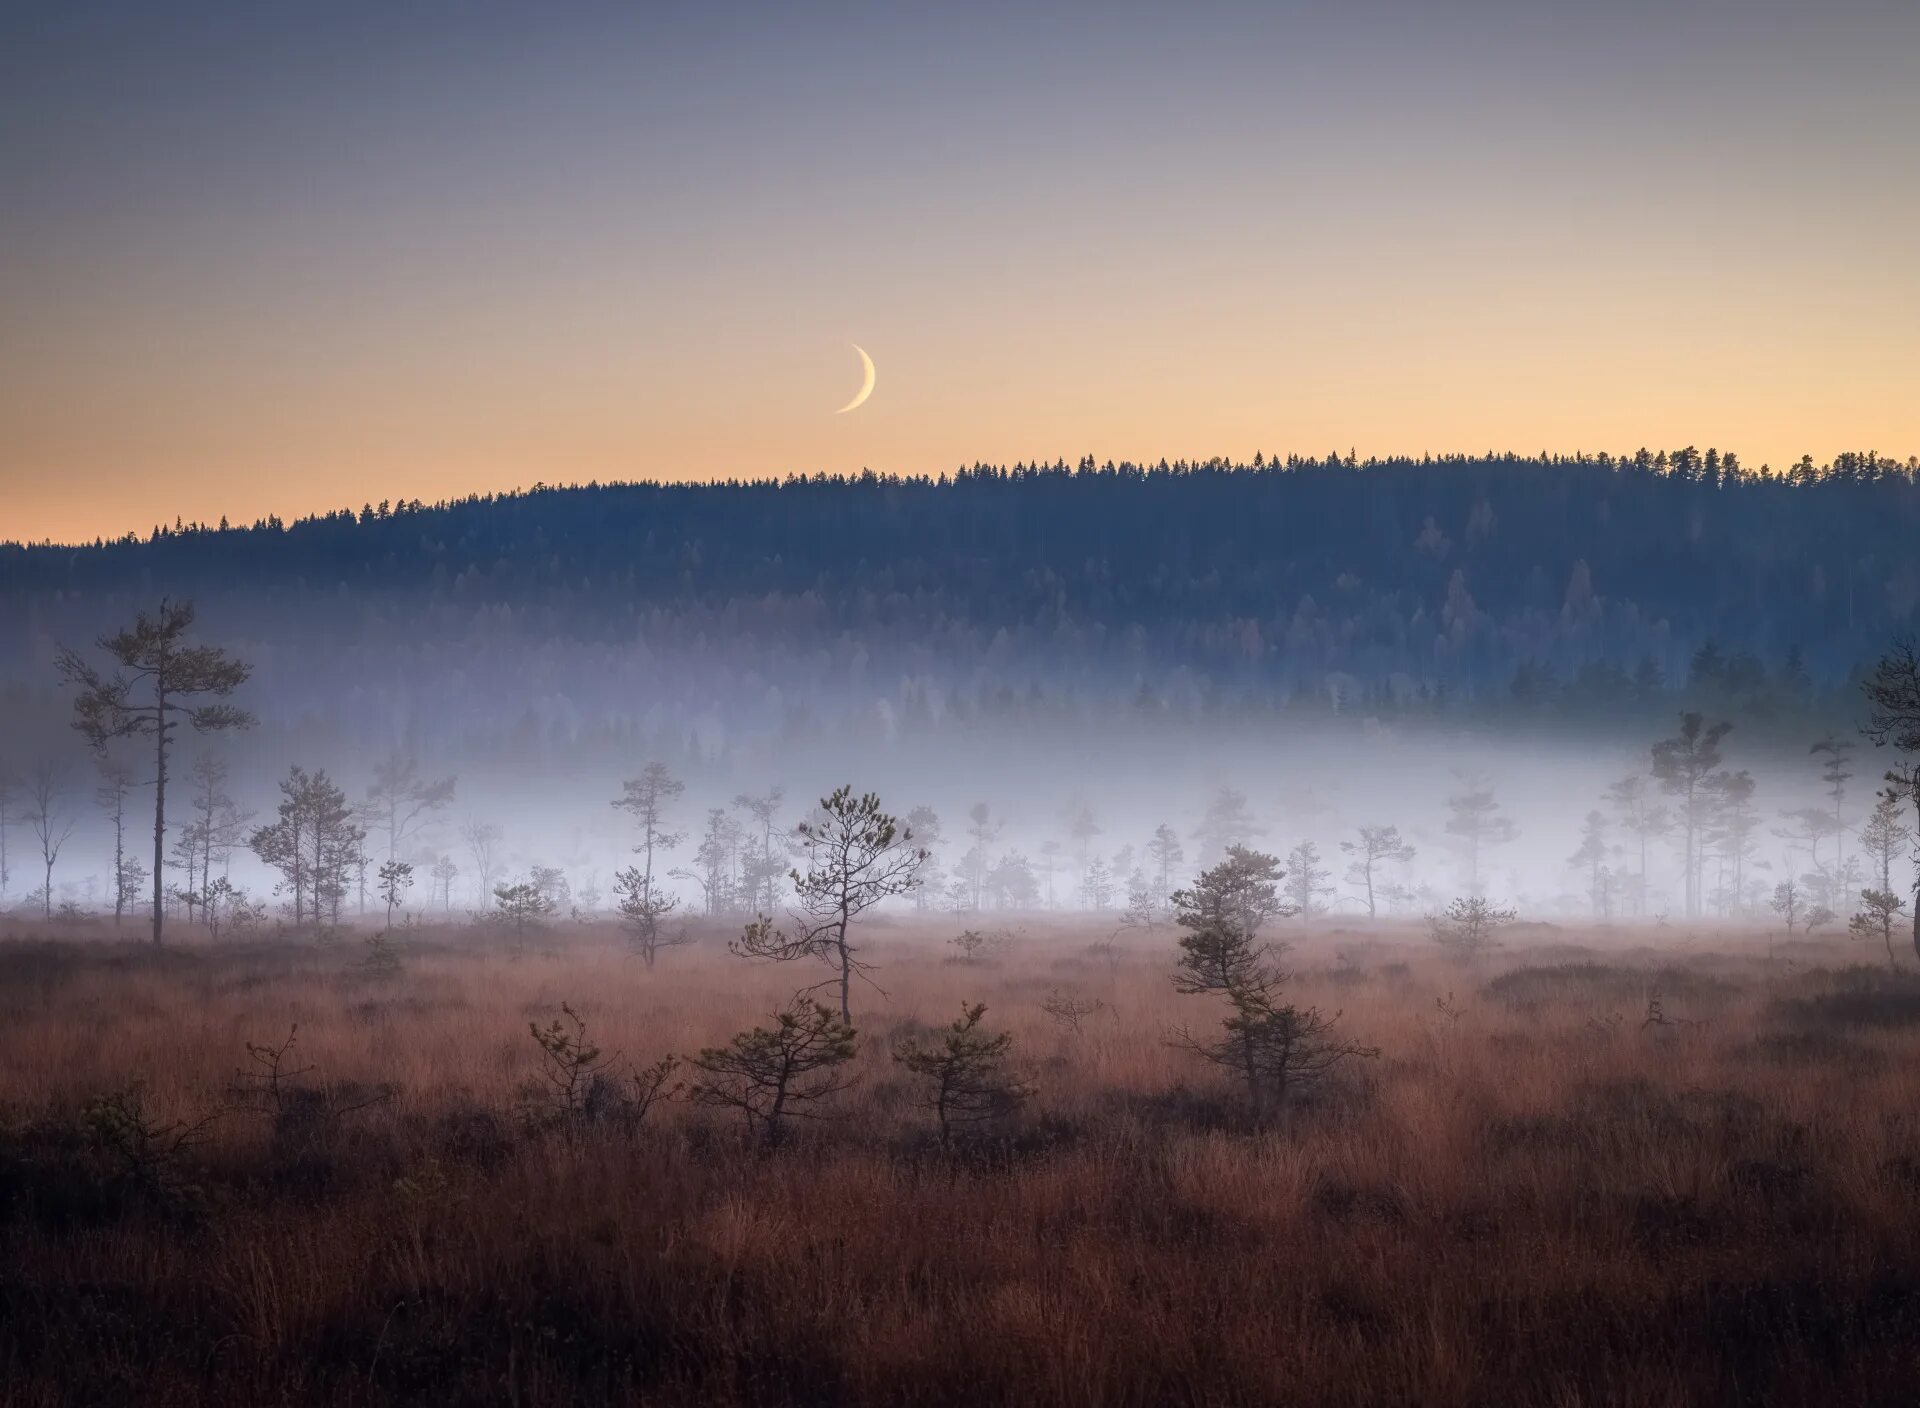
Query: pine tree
[[151, 693]]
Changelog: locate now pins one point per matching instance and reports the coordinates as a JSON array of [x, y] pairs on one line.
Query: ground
[[1600, 1166]]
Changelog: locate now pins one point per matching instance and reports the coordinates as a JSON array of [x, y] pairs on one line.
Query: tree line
[[1509, 588]]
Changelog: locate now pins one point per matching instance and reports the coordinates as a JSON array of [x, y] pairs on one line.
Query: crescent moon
[[866, 386]]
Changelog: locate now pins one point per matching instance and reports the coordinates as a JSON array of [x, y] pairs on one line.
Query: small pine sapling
[[772, 1074], [1465, 929], [1069, 1011], [964, 1074]]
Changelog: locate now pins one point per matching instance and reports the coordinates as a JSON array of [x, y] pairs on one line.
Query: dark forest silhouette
[[1568, 588]]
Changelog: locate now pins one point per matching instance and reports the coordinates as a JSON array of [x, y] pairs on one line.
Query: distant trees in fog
[[645, 799], [1687, 818], [1633, 802], [1591, 857], [763, 866], [1373, 848], [482, 840], [1307, 881], [116, 783], [218, 827], [1475, 821], [7, 785], [1885, 837], [443, 872], [52, 824], [1227, 822], [313, 842], [401, 799], [1684, 766]]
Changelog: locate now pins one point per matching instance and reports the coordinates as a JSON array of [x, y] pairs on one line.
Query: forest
[[1594, 590]]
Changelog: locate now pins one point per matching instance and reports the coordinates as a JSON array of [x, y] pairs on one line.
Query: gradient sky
[[277, 257]]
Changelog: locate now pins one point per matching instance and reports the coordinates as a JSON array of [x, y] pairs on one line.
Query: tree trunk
[[159, 814], [846, 962], [1916, 903]]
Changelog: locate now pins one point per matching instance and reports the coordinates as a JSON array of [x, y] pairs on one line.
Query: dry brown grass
[[1522, 1201]]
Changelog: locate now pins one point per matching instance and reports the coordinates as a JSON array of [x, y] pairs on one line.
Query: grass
[[1531, 1197]]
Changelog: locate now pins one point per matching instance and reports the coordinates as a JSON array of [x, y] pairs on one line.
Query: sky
[[276, 258]]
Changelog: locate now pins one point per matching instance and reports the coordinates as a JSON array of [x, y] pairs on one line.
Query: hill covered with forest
[[1565, 588]]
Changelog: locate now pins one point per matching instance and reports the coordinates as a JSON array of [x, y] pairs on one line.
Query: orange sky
[[323, 280]]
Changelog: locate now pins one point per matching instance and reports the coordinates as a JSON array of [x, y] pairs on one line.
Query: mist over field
[[1101, 649]]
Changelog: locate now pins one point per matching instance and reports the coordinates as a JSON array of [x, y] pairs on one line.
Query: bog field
[[1592, 1167]]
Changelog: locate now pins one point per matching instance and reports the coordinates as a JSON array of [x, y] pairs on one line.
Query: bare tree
[[153, 660], [1376, 846], [856, 856], [46, 788]]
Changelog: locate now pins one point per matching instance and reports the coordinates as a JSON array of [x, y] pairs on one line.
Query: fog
[[1342, 644], [1060, 793]]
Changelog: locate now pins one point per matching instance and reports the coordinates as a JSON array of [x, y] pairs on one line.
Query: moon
[[866, 386]]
